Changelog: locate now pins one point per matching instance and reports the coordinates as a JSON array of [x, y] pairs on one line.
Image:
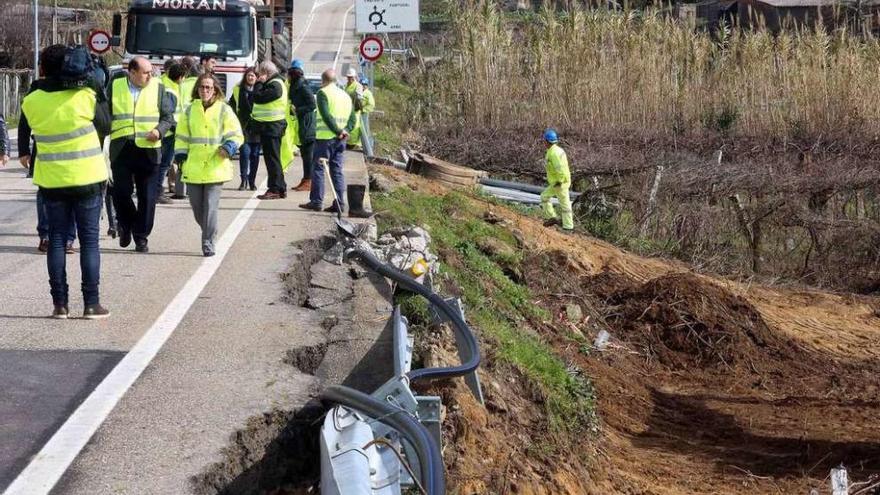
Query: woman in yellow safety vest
[[207, 136]]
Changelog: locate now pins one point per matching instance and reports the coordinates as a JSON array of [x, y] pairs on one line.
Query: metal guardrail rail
[[378, 443]]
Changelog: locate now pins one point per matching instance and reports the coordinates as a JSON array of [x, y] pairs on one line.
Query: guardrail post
[[471, 379]]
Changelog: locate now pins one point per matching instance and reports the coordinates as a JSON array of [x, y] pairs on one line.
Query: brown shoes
[[304, 185], [270, 195]]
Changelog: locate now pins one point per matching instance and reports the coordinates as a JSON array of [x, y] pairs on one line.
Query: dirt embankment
[[707, 386], [716, 387]]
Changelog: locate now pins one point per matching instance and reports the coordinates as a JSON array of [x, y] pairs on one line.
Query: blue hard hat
[[550, 136], [297, 64], [364, 80]]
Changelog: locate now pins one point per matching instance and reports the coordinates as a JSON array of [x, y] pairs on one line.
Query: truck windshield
[[189, 34]]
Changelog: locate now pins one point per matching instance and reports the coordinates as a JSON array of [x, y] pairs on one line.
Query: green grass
[[392, 99], [500, 308]]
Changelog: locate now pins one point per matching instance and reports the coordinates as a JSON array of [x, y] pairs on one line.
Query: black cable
[[427, 450], [458, 323]]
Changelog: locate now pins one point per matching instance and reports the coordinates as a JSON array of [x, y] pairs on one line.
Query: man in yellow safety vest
[[336, 119], [142, 112], [356, 91], [70, 171], [269, 118], [558, 183]]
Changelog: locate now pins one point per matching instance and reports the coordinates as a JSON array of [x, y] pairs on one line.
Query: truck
[[238, 33]]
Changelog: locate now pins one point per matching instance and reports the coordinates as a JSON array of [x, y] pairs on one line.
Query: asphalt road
[[218, 329]]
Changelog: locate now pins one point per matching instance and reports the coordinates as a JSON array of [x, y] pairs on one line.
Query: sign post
[[99, 41], [373, 17], [371, 49], [36, 39]]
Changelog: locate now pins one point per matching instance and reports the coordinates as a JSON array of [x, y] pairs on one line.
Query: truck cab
[[235, 32]]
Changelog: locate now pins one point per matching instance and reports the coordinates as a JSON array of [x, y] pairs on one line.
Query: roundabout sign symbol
[[377, 18]]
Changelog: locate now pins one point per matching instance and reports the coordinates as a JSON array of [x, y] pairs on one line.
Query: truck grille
[[221, 78]]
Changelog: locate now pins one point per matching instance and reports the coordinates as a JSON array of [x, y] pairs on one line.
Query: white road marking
[[47, 467], [341, 38]]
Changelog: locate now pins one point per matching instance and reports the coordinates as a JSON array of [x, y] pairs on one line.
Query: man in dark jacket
[[142, 113], [303, 100], [270, 120]]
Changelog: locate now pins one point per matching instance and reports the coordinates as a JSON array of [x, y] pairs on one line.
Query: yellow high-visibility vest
[[130, 119], [339, 104], [556, 164], [174, 89], [186, 90], [276, 109], [68, 149], [200, 134]]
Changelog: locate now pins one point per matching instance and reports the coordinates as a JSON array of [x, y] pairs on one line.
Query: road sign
[[99, 41], [386, 16], [371, 48]]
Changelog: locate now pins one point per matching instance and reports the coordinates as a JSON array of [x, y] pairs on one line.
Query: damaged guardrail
[[378, 443]]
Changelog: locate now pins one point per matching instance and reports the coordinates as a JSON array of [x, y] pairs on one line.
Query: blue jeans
[[43, 221], [165, 164], [248, 162], [87, 211], [332, 150]]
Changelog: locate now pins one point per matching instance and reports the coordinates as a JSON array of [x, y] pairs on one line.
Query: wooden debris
[[443, 171]]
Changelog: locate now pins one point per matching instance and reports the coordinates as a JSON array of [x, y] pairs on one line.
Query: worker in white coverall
[[558, 183]]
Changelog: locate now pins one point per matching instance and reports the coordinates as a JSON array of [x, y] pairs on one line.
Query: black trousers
[[272, 155], [133, 171], [307, 151], [307, 125]]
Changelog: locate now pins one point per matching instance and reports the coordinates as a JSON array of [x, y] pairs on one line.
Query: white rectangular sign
[[387, 16]]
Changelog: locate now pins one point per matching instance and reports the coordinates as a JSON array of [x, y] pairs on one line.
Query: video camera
[[82, 69]]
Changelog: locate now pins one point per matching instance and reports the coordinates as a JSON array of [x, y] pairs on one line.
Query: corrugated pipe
[[519, 186]]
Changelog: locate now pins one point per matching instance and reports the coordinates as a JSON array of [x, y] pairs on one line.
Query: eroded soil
[[707, 385]]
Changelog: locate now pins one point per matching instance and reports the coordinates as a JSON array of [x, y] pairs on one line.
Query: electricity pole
[[36, 39], [55, 23]]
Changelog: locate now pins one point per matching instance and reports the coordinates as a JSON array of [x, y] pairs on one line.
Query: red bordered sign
[[99, 41], [371, 48]]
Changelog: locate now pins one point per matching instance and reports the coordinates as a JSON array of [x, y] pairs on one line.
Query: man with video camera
[[66, 112]]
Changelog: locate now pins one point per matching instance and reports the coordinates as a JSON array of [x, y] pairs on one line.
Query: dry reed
[[607, 73]]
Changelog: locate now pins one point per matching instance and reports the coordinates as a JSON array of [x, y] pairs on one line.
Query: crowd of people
[[178, 128]]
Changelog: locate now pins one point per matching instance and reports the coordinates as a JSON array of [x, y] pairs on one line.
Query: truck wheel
[[281, 49], [264, 50]]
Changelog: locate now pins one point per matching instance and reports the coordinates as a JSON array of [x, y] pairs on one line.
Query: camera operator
[[65, 114]]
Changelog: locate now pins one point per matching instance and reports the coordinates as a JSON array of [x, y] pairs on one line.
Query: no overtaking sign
[[371, 48], [99, 41]]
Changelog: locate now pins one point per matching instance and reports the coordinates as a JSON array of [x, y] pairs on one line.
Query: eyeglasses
[[206, 87]]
